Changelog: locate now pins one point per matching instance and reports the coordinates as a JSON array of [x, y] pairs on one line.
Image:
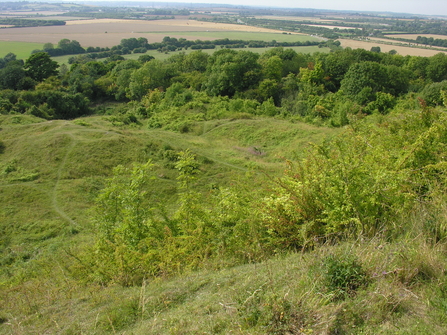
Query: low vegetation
[[269, 193]]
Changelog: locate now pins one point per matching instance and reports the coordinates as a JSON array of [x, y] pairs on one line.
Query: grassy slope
[[45, 219], [51, 171]]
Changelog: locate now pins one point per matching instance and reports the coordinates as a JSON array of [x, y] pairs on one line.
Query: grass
[[242, 35], [163, 56], [51, 171], [280, 296], [394, 287], [21, 49]]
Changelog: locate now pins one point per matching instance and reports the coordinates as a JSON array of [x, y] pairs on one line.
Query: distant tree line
[[168, 44], [127, 13], [17, 23]]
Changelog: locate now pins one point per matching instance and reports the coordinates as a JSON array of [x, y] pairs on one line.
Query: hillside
[[54, 170], [236, 192]]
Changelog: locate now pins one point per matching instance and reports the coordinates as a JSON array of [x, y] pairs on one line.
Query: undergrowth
[[348, 240]]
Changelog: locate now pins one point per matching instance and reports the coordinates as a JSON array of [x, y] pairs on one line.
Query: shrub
[[343, 275]]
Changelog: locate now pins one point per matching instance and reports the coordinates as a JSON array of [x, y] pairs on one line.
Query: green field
[[21, 49], [162, 56], [242, 35]]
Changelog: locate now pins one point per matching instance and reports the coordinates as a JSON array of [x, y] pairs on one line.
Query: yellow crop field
[[414, 36], [109, 32], [401, 50]]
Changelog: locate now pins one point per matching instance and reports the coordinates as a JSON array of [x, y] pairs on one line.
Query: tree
[[11, 77], [272, 68], [363, 80], [437, 67], [48, 46], [145, 58], [151, 75], [70, 47], [40, 66], [230, 72]]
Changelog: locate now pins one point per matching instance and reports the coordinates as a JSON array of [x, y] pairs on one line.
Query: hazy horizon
[[428, 7]]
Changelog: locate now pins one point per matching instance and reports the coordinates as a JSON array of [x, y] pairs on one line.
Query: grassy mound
[[51, 172]]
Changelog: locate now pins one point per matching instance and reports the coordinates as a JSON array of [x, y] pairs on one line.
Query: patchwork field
[[295, 18], [163, 56], [107, 32], [329, 27], [414, 36], [404, 51]]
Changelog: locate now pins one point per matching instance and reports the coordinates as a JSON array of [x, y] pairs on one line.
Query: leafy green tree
[[48, 46], [230, 71], [70, 47], [417, 65], [145, 58], [363, 77], [432, 93], [335, 65], [39, 66], [272, 68], [12, 77], [269, 88], [153, 74], [195, 61], [437, 67]]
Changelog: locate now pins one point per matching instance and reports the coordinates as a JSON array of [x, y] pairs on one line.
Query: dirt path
[[54, 200]]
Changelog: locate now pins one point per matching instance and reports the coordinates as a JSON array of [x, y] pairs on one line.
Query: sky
[[429, 7]]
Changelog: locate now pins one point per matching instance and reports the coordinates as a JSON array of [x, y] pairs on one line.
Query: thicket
[[361, 184], [321, 88]]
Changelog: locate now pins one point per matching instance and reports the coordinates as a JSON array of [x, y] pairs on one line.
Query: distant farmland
[[163, 56], [107, 33], [21, 49], [402, 50], [414, 36]]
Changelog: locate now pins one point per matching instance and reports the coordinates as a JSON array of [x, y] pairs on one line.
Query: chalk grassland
[[107, 33], [414, 36], [401, 50], [21, 49]]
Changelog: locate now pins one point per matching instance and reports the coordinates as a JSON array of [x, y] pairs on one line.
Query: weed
[[343, 275]]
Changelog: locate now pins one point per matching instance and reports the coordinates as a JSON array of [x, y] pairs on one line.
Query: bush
[[343, 275]]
